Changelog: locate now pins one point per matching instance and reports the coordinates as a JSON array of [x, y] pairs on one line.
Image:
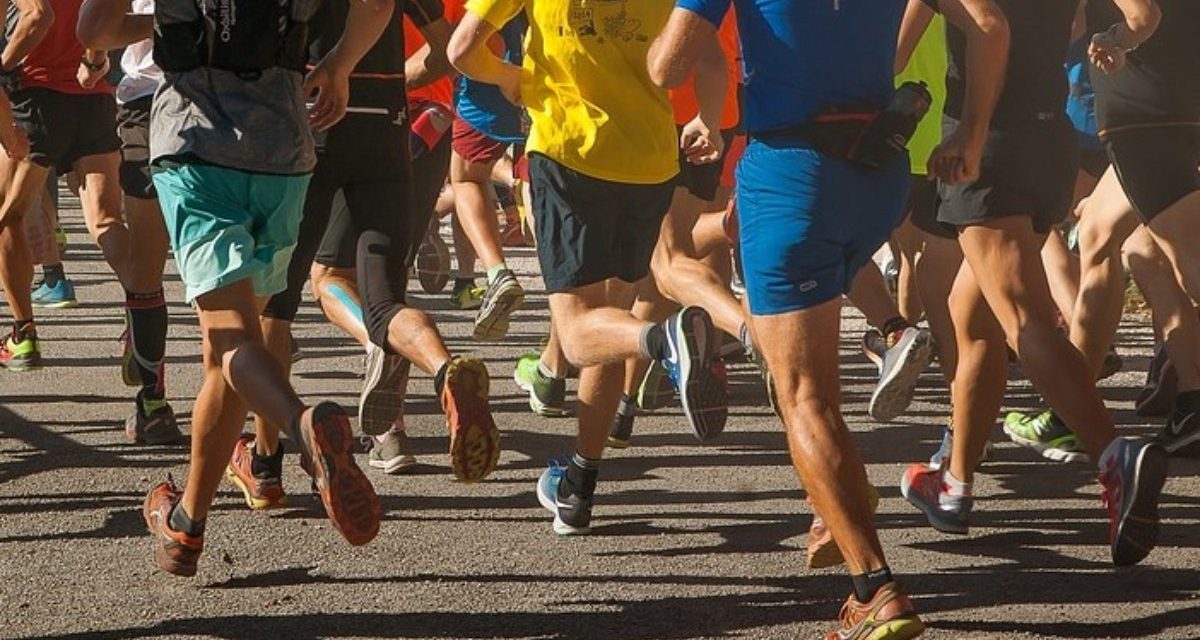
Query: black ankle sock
[[866, 585], [581, 476], [627, 406], [1187, 402], [147, 317], [24, 329], [654, 342], [268, 466], [893, 325], [52, 273], [439, 378], [179, 521]]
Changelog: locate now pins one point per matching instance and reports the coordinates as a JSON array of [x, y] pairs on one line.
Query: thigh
[[99, 188], [1005, 258]]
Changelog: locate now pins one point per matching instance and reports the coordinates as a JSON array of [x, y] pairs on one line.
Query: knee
[[1098, 241], [221, 343]]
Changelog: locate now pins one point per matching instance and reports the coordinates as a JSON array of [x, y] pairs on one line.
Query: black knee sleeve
[[381, 281]]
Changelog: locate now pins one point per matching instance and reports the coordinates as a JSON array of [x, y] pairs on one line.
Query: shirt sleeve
[[711, 10], [496, 12], [423, 12]]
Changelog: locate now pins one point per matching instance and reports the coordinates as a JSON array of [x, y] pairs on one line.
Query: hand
[[700, 144], [957, 159], [1106, 53], [16, 143], [88, 78], [333, 96]]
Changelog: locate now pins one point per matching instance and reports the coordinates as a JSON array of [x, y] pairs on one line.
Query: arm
[[917, 16], [701, 138], [676, 51], [468, 51], [1107, 50], [32, 25], [330, 79], [430, 63], [986, 29], [108, 24]]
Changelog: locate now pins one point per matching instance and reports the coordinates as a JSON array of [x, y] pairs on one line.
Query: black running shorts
[[133, 127], [64, 127], [1157, 166]]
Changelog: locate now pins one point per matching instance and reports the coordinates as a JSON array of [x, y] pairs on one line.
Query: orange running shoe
[[263, 490], [888, 616], [174, 551], [348, 496], [474, 439]]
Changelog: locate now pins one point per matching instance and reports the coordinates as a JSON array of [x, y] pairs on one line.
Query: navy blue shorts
[[809, 222]]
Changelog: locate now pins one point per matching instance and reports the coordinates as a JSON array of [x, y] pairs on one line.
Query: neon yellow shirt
[[585, 84], [928, 64]]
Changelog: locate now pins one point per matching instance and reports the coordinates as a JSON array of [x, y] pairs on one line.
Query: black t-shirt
[[1160, 83], [1035, 85], [378, 79]]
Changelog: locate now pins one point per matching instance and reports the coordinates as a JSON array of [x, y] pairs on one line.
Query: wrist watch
[[92, 66]]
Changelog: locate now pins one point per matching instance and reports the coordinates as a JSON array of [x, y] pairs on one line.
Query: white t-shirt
[[142, 76]]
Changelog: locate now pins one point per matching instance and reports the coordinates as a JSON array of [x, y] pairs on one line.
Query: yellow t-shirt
[[590, 99], [928, 64]]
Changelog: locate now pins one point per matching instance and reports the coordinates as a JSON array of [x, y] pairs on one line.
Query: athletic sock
[[396, 429], [745, 338], [52, 274], [547, 372], [147, 317], [654, 342], [439, 378], [953, 491], [179, 521], [581, 476], [866, 585], [893, 325], [494, 272], [24, 330], [268, 466], [627, 407]]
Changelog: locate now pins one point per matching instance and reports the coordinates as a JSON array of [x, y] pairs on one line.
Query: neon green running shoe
[[25, 355], [467, 297], [1046, 434], [547, 395], [60, 238]]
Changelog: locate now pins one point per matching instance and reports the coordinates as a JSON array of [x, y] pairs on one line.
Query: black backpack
[[245, 37]]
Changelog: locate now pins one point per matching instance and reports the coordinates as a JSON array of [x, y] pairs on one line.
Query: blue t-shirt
[[1081, 102], [482, 105], [801, 56]]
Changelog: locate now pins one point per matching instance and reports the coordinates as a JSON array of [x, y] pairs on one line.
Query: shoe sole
[[1048, 452], [936, 522], [381, 397], [474, 438], [257, 504], [434, 280], [1137, 531], [66, 304], [561, 528], [395, 466], [654, 394], [21, 368], [349, 498], [617, 443], [1184, 447], [164, 561], [493, 320], [130, 375], [895, 390], [898, 629], [702, 396]]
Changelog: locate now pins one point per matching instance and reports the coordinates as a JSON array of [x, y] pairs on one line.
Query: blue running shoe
[[60, 296], [691, 345], [1132, 473], [572, 513]]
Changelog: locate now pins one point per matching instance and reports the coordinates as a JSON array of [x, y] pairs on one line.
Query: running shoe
[[60, 238], [60, 296], [349, 499], [262, 486], [1132, 479], [888, 616], [174, 551], [131, 375], [901, 357], [925, 490], [691, 340], [942, 455], [466, 296], [1112, 364], [547, 394], [153, 422], [656, 390], [384, 385], [433, 262], [1181, 435], [393, 455], [572, 511], [474, 438], [823, 551], [621, 432], [1157, 396], [24, 355], [504, 296], [1045, 433]]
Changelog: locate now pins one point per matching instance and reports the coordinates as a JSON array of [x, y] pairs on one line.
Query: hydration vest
[[245, 37]]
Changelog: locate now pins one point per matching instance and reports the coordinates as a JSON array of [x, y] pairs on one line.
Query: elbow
[[458, 50], [1147, 20], [994, 29], [664, 75], [41, 19]]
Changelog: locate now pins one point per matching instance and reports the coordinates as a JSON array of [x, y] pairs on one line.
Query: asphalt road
[[689, 540]]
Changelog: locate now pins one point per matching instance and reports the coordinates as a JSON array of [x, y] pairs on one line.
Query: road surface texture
[[690, 540]]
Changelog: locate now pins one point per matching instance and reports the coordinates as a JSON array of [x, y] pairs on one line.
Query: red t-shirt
[[54, 62], [441, 91]]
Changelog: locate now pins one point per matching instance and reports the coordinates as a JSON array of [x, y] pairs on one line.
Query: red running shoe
[[474, 439], [348, 496], [262, 491], [174, 551]]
